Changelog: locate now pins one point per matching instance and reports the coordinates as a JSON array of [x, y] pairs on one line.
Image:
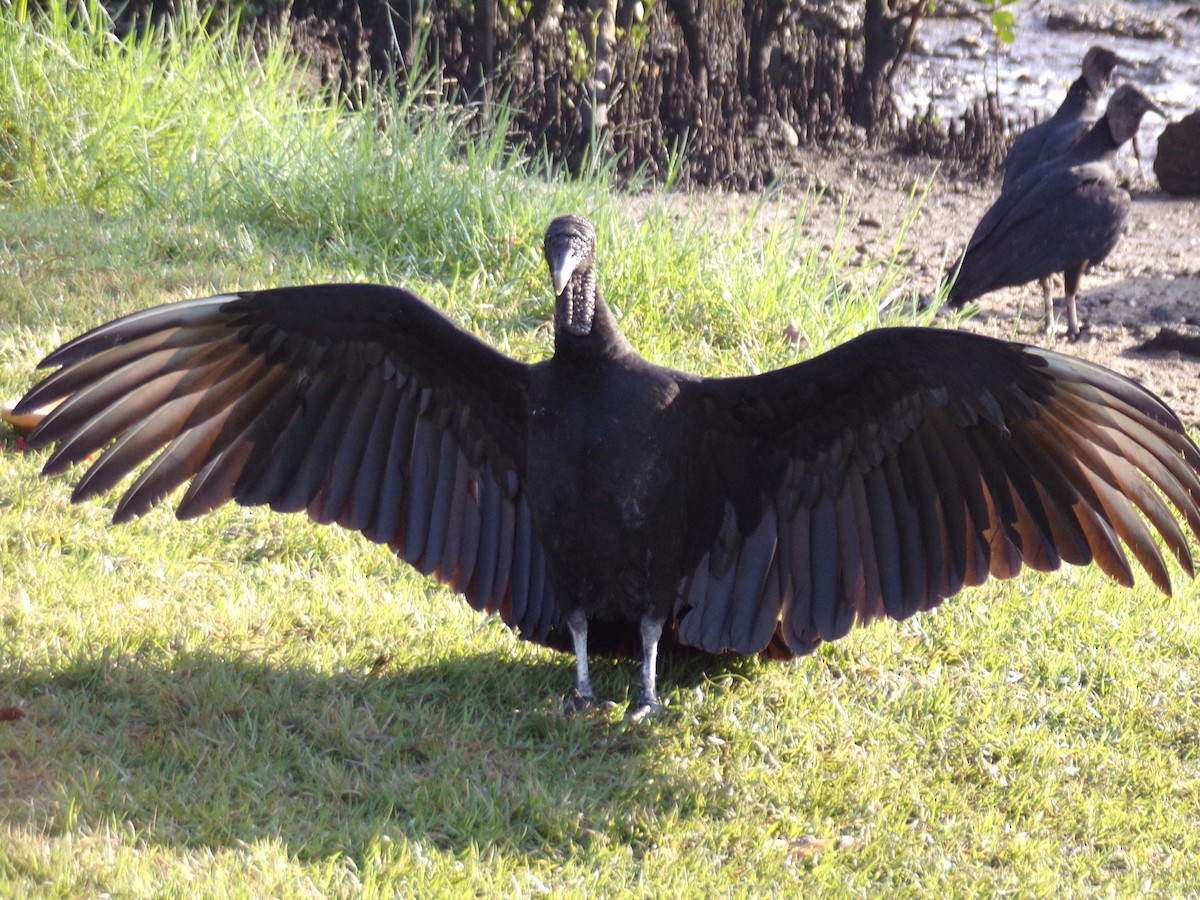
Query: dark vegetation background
[[737, 84]]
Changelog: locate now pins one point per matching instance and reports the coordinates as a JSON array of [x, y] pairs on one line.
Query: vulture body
[[1073, 117], [598, 502], [1063, 215]]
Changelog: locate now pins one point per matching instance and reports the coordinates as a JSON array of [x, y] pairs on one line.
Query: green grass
[[251, 705]]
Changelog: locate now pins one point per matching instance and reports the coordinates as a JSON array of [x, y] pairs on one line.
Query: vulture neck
[[1097, 142], [603, 340], [1080, 100]]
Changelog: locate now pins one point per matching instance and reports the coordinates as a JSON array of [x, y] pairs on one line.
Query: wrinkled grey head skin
[[570, 250], [1098, 65], [1125, 109]]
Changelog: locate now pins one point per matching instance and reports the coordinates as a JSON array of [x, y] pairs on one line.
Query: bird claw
[[577, 702], [645, 708]]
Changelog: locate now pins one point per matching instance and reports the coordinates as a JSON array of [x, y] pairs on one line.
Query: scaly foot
[[644, 709]]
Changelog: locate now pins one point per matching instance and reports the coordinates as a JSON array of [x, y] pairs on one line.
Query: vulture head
[[1098, 65], [570, 250], [1125, 109]]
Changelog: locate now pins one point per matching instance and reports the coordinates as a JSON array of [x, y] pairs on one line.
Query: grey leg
[[1048, 303], [647, 702], [1072, 318], [1071, 284], [583, 695]]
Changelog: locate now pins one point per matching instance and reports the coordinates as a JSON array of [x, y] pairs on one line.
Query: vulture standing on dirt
[[598, 502], [1062, 215], [1072, 118]]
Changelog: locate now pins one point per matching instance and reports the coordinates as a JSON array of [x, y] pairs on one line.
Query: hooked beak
[[562, 269]]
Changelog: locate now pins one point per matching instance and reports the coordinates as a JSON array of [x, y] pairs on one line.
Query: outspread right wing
[[889, 473]]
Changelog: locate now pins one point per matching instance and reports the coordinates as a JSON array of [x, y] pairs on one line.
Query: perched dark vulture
[[1072, 118], [596, 490], [1062, 215]]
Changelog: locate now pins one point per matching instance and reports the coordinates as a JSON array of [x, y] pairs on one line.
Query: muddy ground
[[1148, 290]]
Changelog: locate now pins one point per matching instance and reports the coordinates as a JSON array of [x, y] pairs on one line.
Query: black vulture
[[1077, 111], [1062, 215], [600, 503]]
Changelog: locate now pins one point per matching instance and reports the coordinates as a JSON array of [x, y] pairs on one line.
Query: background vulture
[[1074, 115], [595, 498], [1063, 215]]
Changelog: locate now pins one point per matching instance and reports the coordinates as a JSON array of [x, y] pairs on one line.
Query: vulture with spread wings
[[600, 503]]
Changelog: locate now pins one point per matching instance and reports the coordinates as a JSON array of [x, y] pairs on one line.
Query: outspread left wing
[[358, 404], [886, 475]]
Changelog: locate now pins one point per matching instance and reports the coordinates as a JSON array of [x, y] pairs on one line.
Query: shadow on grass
[[199, 749]]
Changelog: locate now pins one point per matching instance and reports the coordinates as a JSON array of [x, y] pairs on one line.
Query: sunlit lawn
[[248, 704]]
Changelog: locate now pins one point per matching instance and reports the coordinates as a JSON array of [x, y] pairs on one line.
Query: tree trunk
[[689, 24], [604, 14], [484, 39], [761, 29], [889, 27]]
